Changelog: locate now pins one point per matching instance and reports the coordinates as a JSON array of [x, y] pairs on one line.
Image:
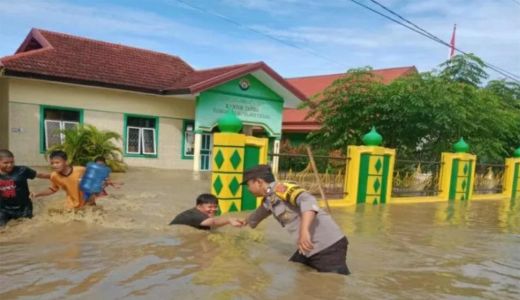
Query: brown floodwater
[[125, 250]]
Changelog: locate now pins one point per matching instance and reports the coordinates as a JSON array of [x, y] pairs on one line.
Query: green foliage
[[421, 115], [467, 68], [85, 142]]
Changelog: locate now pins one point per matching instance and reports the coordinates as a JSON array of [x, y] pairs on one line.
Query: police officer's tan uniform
[[286, 202]]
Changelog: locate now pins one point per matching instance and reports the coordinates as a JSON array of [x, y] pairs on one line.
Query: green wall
[[256, 104]]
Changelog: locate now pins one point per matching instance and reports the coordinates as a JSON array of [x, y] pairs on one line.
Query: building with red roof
[[164, 109], [296, 123]]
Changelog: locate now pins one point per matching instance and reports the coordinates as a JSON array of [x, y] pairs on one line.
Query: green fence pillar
[[512, 177], [457, 173], [369, 171]]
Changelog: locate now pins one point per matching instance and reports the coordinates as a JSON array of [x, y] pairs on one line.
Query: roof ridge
[[216, 77], [43, 31], [338, 74], [229, 66]]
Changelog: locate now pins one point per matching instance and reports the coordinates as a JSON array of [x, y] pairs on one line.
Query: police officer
[[321, 243]]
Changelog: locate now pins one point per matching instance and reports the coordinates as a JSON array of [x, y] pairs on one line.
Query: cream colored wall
[[103, 108], [169, 148], [4, 113], [170, 140], [92, 98], [25, 140]]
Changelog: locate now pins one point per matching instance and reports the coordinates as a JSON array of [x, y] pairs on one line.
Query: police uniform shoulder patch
[[280, 188], [288, 192]]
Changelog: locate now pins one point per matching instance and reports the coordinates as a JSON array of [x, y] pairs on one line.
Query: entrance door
[[205, 152], [251, 159]]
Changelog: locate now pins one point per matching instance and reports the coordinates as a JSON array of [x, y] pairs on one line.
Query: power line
[[412, 26], [493, 67], [516, 1], [433, 37], [429, 35], [236, 23]]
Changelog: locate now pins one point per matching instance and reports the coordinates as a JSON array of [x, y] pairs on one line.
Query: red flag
[[452, 42]]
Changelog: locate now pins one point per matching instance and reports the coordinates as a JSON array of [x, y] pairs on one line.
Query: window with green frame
[[53, 120], [141, 135], [188, 139]]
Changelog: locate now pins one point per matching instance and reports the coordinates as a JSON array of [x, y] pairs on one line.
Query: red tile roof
[[203, 79], [311, 85], [62, 57], [84, 60], [294, 120]]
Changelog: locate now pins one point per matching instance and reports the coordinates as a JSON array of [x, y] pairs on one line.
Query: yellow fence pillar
[[457, 174], [511, 185], [370, 171], [233, 153], [228, 167]]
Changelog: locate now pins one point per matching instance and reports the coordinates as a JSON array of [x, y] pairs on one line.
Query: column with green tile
[[370, 170], [457, 173], [516, 183], [512, 177], [373, 178], [228, 163]]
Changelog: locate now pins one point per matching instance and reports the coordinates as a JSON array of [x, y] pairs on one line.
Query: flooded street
[[126, 250]]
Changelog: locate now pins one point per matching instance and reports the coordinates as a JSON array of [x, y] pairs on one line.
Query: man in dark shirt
[[14, 191], [202, 216]]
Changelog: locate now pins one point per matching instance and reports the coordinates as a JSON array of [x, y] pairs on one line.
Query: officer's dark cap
[[258, 172]]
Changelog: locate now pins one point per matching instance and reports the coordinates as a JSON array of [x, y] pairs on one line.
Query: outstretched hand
[[237, 222]]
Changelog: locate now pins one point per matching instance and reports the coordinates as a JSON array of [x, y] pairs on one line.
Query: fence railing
[[411, 177], [415, 178], [297, 168], [488, 178]]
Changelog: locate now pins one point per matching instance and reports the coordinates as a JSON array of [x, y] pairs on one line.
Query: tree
[[464, 68], [508, 91], [421, 115], [85, 142]]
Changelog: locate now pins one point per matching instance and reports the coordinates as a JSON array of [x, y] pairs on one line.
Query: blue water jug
[[93, 179]]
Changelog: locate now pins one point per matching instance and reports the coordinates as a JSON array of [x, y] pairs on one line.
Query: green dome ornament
[[517, 152], [229, 122], [461, 146], [372, 138]]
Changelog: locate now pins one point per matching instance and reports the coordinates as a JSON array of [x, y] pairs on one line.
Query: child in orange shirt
[[67, 178]]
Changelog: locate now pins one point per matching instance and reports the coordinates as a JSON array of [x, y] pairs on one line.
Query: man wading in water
[[321, 244]]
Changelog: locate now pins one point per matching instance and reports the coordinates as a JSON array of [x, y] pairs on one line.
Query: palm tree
[[85, 142]]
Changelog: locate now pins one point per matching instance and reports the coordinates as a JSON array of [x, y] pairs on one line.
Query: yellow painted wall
[[4, 113], [103, 108]]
